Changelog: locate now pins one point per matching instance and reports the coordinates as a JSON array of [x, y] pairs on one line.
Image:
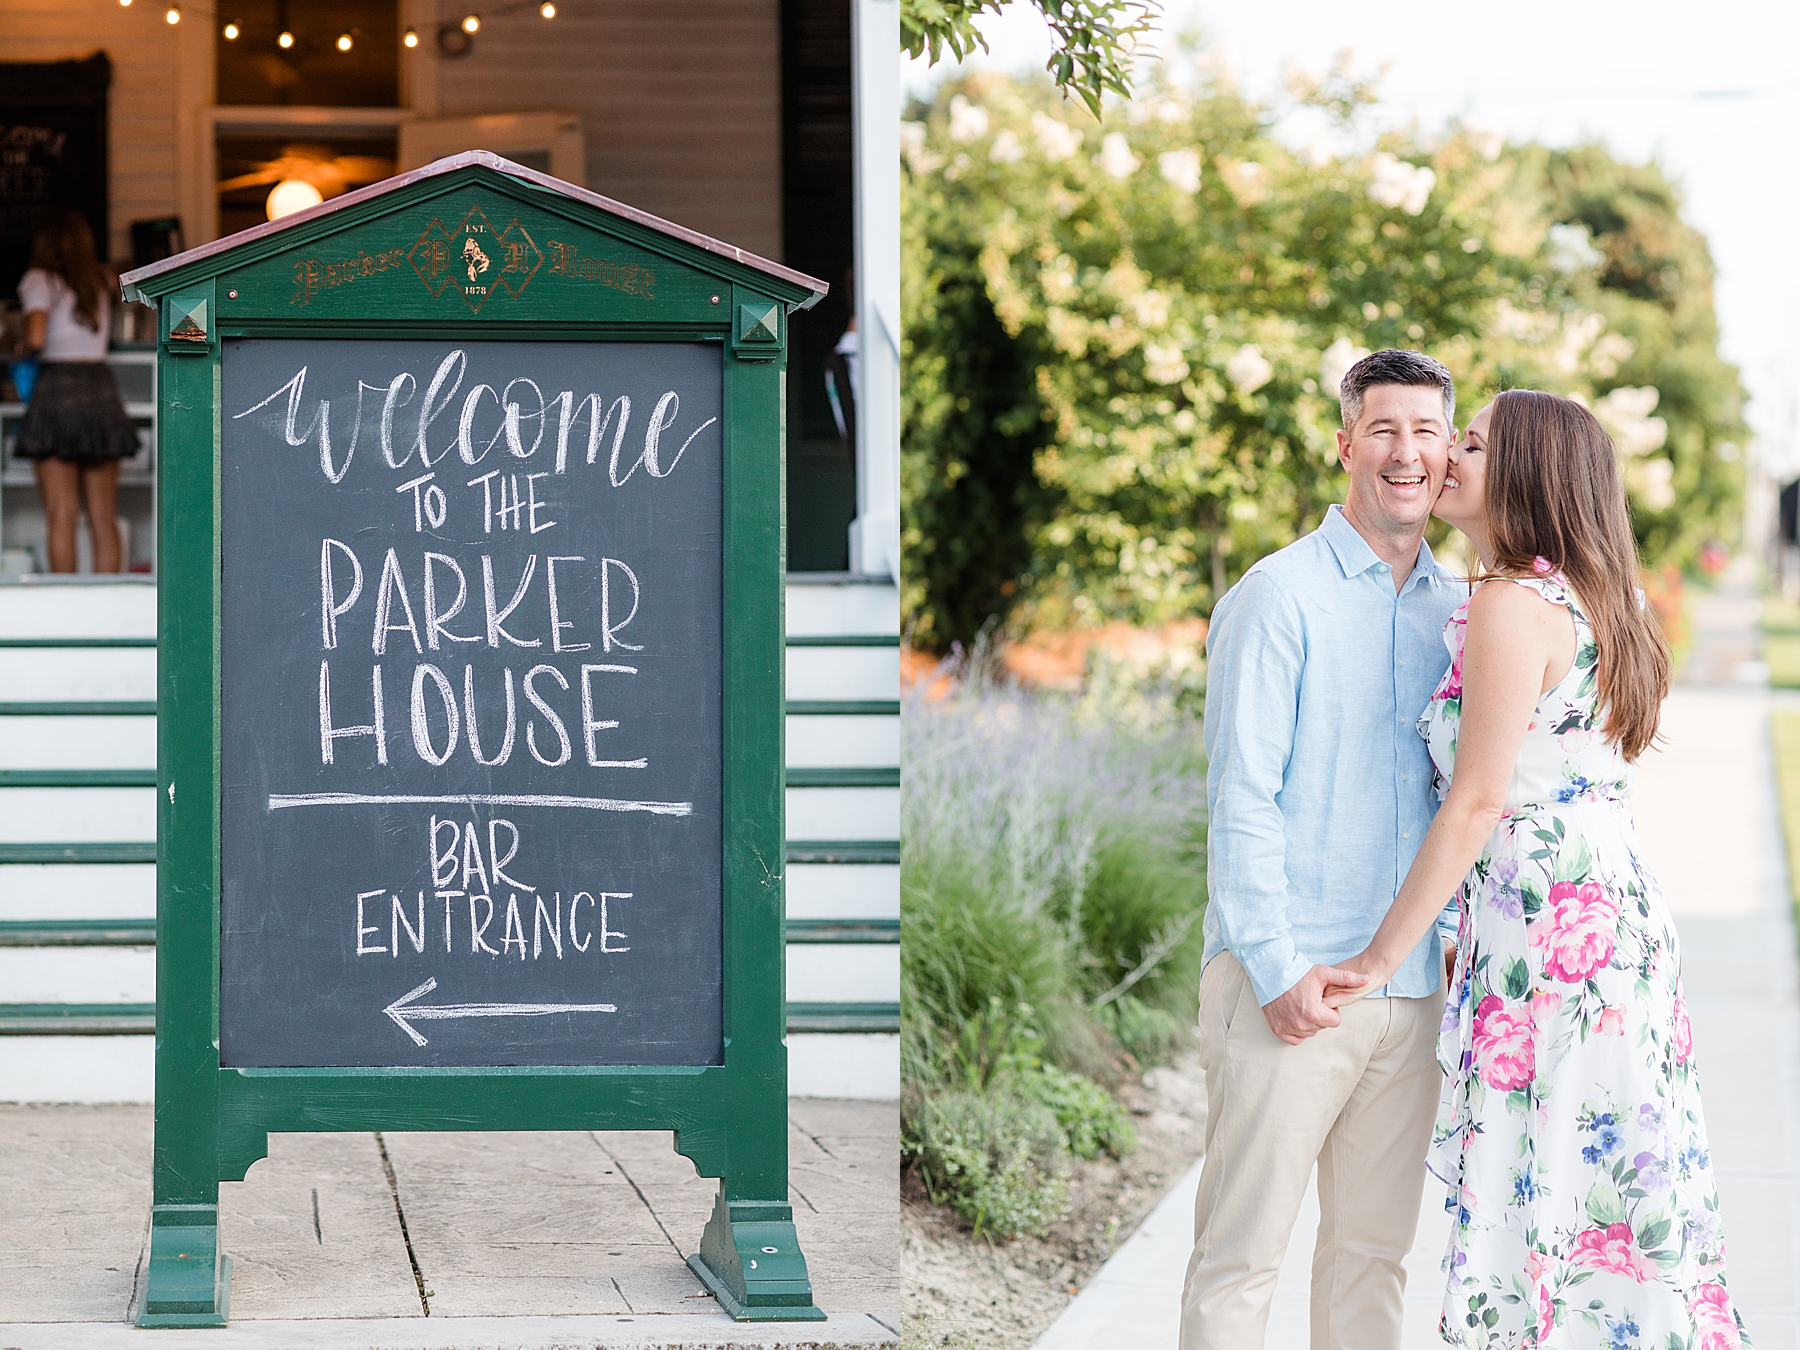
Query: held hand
[[1373, 975], [1302, 1011]]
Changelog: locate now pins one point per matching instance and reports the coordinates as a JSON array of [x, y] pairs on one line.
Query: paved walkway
[[1706, 815], [441, 1240]]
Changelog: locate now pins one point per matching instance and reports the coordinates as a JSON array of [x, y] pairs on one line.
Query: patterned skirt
[[1570, 1129], [75, 416]]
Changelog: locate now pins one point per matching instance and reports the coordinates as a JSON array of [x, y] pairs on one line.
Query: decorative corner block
[[758, 332], [188, 326]]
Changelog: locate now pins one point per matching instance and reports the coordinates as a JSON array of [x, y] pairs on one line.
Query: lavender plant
[[1052, 875]]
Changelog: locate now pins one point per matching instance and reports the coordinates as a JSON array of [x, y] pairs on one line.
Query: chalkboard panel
[[470, 714]]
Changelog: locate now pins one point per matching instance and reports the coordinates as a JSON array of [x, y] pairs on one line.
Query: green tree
[[1155, 306], [1093, 38]]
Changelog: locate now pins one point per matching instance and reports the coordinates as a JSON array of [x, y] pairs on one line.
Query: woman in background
[[75, 430]]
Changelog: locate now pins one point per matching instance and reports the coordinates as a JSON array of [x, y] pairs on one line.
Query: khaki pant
[[1359, 1099]]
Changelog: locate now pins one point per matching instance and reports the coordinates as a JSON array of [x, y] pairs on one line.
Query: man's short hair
[[1394, 366]]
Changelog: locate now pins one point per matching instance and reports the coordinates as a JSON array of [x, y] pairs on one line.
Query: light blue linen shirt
[[1319, 784]]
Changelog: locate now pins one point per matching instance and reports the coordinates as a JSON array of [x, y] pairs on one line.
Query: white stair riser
[[77, 742], [830, 972], [843, 672], [844, 1064], [77, 975], [76, 815], [78, 1069], [843, 813], [78, 891], [843, 891], [834, 742], [832, 611], [93, 1069], [101, 742], [73, 674], [100, 610]]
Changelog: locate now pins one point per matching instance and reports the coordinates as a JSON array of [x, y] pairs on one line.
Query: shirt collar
[[1356, 557]]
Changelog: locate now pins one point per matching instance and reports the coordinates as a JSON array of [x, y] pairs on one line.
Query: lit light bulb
[[472, 23], [231, 32], [411, 39], [124, 4], [172, 15], [343, 43], [547, 9], [291, 195], [285, 41]]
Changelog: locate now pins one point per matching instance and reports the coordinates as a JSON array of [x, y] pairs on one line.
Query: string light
[[547, 9], [344, 43], [471, 23], [285, 41], [231, 32], [124, 4], [411, 39], [172, 15]]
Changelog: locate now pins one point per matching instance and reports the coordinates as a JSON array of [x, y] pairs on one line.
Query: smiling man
[[1320, 660]]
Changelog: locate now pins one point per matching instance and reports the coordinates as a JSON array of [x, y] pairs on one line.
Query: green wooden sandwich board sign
[[470, 698]]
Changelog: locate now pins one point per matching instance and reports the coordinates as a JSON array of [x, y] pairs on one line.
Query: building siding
[[141, 110], [680, 104]]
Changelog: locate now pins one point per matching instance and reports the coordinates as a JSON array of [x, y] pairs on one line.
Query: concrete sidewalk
[[441, 1240], [1707, 820]]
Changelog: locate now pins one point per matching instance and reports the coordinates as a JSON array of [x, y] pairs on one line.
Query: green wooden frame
[[212, 1123]]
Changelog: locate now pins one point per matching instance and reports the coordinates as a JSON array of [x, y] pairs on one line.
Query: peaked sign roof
[[156, 279]]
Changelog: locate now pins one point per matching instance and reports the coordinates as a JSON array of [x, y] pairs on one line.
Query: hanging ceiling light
[[471, 24], [411, 39], [285, 41], [172, 15], [344, 42], [231, 32], [291, 195], [547, 9]]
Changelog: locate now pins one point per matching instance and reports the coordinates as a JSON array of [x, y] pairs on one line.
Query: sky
[[1701, 89]]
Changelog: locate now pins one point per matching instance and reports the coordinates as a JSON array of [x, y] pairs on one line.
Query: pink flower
[[1453, 681], [1713, 1318], [1684, 1032], [1611, 1023], [1614, 1250], [1505, 1044], [1545, 1003], [1546, 1314], [1576, 930], [1542, 566]]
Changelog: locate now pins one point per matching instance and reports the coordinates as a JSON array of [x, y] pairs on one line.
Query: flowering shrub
[[1123, 336]]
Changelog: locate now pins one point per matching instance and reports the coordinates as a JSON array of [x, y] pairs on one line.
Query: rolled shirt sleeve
[[1255, 661]]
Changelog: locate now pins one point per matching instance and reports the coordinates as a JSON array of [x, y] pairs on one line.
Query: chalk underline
[[283, 801]]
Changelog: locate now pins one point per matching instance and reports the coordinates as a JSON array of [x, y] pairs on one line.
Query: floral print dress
[[1570, 1129]]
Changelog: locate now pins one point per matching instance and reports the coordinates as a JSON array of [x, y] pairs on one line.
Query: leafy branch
[[1094, 38]]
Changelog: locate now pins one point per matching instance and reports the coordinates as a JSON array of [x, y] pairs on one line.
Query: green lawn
[[1786, 729], [1781, 642]]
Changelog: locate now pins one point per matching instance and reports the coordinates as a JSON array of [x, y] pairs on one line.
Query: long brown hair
[[64, 245], [1554, 491]]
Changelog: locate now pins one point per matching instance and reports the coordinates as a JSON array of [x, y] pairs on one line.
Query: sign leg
[[750, 1259], [188, 1283]]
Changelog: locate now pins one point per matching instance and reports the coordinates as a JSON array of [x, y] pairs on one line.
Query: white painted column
[[875, 533]]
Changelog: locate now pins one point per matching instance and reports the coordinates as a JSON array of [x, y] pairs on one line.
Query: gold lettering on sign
[[312, 275], [465, 258], [566, 261]]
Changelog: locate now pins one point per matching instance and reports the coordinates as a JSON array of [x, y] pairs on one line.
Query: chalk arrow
[[405, 1013]]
